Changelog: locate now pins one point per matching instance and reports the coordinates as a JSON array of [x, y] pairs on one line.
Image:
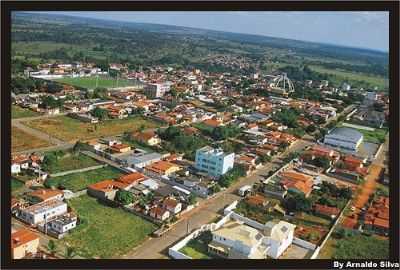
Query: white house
[[62, 224], [43, 211], [236, 240], [172, 205]]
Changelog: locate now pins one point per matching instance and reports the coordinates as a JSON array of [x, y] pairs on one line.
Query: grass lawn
[[16, 185], [90, 82], [69, 129], [79, 181], [196, 250], [18, 112], [361, 247], [104, 231], [21, 141], [71, 162], [373, 80]]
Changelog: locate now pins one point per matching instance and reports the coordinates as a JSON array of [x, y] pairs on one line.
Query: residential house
[[62, 224], [131, 179], [105, 189], [120, 148], [297, 182], [235, 240], [212, 123], [43, 195], [159, 213], [162, 168], [24, 242], [172, 205], [147, 137], [377, 216]]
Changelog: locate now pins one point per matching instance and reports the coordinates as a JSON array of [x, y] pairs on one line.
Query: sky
[[354, 29]]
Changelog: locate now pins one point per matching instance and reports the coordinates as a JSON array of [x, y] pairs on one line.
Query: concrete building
[[235, 240], [43, 211], [156, 90], [343, 137], [63, 223], [214, 161], [139, 160], [23, 242]]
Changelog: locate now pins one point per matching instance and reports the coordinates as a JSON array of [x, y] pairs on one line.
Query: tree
[[79, 146], [69, 253], [49, 102], [100, 92], [100, 113], [311, 128], [192, 199], [265, 158], [51, 246], [125, 197], [322, 162], [297, 202]]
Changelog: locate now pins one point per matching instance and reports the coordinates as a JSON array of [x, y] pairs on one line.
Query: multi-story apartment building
[[214, 161]]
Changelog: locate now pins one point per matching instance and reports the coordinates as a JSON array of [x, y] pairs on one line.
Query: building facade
[[214, 161]]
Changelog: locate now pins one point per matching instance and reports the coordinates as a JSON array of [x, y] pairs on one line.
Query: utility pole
[[97, 80], [187, 226]]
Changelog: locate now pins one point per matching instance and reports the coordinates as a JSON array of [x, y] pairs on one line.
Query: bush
[[231, 176]]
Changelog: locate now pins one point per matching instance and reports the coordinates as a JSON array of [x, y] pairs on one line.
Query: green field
[[79, 181], [70, 162], [69, 129], [18, 112], [90, 82], [196, 250], [105, 232], [373, 80], [16, 185]]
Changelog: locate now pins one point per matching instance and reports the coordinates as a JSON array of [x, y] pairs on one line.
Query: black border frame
[[7, 6]]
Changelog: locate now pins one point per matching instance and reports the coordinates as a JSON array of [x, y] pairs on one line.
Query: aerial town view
[[138, 139]]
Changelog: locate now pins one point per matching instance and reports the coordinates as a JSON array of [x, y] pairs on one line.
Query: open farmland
[[104, 231], [91, 82], [69, 129], [372, 80], [21, 141]]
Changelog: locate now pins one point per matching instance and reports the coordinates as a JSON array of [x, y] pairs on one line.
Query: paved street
[[205, 213]]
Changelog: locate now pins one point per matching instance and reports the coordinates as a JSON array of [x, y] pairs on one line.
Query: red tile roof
[[132, 178], [45, 194], [22, 237], [107, 185]]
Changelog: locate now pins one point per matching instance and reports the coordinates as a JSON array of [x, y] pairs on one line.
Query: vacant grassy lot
[[105, 232], [70, 162], [79, 181], [361, 247], [346, 75], [18, 112], [90, 82], [21, 141], [196, 250], [69, 129]]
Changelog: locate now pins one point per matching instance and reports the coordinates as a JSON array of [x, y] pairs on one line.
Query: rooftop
[[349, 133], [22, 237]]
